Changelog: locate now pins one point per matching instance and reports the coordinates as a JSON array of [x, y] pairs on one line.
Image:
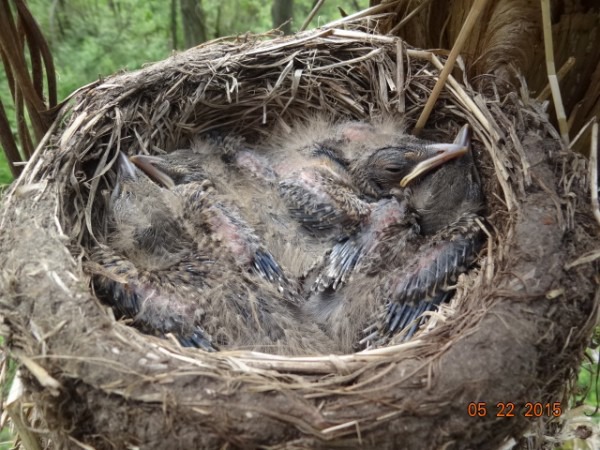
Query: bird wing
[[340, 262], [425, 281], [150, 298], [374, 245], [320, 200], [223, 223]]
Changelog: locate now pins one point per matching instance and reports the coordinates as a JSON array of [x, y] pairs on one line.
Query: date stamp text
[[511, 409]]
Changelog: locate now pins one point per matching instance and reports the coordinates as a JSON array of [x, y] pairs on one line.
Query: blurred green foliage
[[90, 39], [93, 39], [5, 175], [588, 382]]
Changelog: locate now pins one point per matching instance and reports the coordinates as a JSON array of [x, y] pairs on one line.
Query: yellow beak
[[441, 153], [145, 164]]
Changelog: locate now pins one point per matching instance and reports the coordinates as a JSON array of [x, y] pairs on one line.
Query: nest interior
[[517, 327]]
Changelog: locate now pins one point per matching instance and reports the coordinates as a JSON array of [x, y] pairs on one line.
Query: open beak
[[438, 154], [126, 169], [146, 164]]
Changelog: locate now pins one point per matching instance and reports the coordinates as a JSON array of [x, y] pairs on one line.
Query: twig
[[551, 69], [463, 97], [585, 259], [14, 407], [400, 77], [594, 171], [7, 140], [35, 34], [40, 374], [311, 15], [350, 62], [474, 14], [362, 36], [408, 17], [581, 133], [562, 72], [382, 7]]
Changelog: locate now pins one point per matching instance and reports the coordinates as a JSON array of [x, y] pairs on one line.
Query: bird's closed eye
[[394, 169]]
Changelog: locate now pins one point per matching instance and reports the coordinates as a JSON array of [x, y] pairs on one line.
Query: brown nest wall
[[515, 332]]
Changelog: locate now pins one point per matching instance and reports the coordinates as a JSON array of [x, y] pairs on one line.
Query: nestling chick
[[163, 270], [184, 172], [406, 254], [150, 269], [330, 177], [385, 162], [448, 203], [245, 178]]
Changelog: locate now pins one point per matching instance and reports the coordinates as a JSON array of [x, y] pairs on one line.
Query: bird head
[[438, 154], [392, 161], [142, 214], [126, 175], [130, 186], [448, 193]]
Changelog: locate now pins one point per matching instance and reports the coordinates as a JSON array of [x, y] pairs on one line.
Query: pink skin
[[255, 164], [385, 214], [425, 262], [357, 132], [313, 185], [284, 168], [229, 233]]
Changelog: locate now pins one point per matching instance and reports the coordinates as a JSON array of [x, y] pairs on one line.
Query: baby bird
[[328, 178], [184, 171], [407, 251], [148, 267], [163, 269], [448, 203], [247, 215], [330, 182], [379, 160]]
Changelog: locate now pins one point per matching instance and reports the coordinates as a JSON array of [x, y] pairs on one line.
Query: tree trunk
[[282, 13], [194, 22], [218, 20], [174, 24]]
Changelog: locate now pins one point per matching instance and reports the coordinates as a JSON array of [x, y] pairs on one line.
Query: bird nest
[[513, 335]]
